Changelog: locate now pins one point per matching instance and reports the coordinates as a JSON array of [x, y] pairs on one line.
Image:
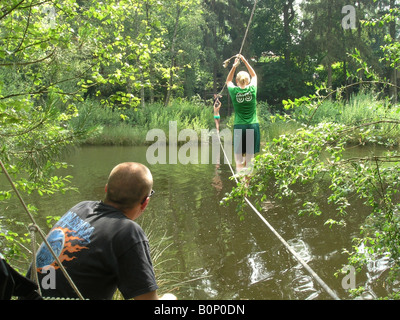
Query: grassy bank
[[129, 127], [364, 112]]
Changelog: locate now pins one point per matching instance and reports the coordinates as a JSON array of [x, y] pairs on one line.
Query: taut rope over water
[[289, 248]]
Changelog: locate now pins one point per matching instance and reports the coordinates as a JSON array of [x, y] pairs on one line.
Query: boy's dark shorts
[[246, 138]]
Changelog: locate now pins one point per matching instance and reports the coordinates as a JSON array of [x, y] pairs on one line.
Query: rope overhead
[[226, 62]]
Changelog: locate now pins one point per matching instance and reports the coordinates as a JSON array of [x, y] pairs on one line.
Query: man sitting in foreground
[[101, 246]]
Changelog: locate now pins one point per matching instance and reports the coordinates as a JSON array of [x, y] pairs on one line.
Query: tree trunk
[[172, 53], [329, 48], [142, 95], [288, 16], [393, 72]]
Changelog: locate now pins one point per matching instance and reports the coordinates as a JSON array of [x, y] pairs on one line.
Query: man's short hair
[[129, 183]]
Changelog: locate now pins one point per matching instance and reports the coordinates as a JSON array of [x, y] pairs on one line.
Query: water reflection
[[302, 249], [376, 268], [258, 270], [210, 251]]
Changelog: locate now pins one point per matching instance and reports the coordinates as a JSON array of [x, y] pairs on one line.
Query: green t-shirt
[[245, 104]]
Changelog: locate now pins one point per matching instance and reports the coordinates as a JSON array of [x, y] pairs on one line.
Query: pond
[[208, 253]]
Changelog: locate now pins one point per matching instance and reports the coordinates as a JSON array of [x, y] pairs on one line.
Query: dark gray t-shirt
[[101, 249]]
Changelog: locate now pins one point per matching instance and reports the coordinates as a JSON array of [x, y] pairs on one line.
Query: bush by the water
[[361, 109]]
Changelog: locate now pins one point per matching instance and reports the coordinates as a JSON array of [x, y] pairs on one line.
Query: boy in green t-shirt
[[246, 127]]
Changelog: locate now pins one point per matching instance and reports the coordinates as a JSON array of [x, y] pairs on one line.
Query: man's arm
[[152, 295], [248, 66], [231, 74], [251, 70]]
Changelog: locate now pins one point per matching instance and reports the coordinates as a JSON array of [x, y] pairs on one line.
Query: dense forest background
[[123, 53], [67, 66]]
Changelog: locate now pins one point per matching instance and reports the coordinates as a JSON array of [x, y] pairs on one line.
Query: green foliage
[[292, 161], [310, 164], [363, 108], [50, 56], [280, 81]]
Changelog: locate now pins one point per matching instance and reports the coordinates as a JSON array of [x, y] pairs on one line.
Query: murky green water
[[208, 250]]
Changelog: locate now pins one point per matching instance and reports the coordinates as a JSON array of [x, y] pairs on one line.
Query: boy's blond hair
[[243, 78]]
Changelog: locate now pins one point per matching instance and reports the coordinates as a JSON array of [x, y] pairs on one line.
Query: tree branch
[[371, 124], [11, 10], [29, 62], [45, 89], [25, 31]]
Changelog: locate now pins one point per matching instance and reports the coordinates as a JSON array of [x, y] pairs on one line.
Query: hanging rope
[[289, 248], [35, 227], [226, 62]]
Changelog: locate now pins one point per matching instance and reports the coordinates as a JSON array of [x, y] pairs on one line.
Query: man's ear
[[105, 188], [144, 204]]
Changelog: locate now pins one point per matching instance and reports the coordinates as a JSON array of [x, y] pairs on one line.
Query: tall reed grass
[[130, 126], [163, 259], [363, 108]]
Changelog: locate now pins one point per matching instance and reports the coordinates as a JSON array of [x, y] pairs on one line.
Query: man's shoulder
[[86, 203], [84, 206], [130, 232]]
